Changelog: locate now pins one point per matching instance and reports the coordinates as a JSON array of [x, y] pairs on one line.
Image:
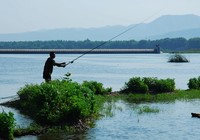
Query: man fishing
[[48, 67]]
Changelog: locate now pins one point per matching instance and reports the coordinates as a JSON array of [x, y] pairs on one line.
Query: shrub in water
[[96, 87], [7, 125], [164, 85], [147, 109], [57, 101], [150, 82], [194, 83], [144, 85], [135, 85]]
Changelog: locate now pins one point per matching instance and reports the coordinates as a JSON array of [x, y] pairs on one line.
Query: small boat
[[195, 115]]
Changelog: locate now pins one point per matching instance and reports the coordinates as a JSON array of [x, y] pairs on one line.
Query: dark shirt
[[48, 68]]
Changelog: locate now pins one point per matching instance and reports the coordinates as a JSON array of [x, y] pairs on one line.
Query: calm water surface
[[174, 119], [172, 122]]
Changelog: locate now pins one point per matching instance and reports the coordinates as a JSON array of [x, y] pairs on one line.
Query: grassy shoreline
[[182, 95]]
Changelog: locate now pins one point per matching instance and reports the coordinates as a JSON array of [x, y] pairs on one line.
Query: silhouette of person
[[48, 67]]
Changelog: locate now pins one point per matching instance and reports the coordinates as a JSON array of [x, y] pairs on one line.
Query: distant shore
[[79, 51]]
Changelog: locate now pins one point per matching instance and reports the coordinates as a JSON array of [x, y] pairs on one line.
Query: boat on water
[[195, 115]]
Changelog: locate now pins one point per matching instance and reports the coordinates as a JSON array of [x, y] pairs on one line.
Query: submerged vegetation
[[167, 97], [147, 109], [68, 105]]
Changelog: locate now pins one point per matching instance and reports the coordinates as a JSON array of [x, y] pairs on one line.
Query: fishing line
[[105, 42]]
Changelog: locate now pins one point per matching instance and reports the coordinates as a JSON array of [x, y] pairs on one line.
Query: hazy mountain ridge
[[171, 26]]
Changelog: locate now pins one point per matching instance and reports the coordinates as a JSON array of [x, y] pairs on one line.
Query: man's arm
[[60, 64]]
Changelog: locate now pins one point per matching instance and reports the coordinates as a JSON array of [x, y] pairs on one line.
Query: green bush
[[164, 85], [148, 84], [135, 85], [194, 83], [57, 101], [96, 87], [7, 125]]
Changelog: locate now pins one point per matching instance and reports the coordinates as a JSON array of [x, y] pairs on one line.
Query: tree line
[[166, 44]]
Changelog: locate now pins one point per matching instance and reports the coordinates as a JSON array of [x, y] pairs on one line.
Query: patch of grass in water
[[182, 95], [147, 109], [109, 108]]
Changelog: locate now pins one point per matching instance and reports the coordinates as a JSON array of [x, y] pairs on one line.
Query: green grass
[[164, 97], [147, 109]]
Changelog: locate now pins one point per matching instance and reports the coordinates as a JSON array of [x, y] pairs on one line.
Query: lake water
[[113, 70], [173, 122]]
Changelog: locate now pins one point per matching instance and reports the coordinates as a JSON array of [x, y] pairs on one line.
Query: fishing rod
[[105, 42], [7, 97]]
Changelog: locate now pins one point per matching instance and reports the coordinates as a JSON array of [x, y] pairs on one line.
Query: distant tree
[[166, 44], [193, 44]]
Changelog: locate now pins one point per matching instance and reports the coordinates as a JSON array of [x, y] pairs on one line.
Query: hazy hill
[[171, 26]]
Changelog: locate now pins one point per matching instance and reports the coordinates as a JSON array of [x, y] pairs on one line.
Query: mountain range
[[167, 26]]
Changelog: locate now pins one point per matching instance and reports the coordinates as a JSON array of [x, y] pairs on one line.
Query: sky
[[32, 15]]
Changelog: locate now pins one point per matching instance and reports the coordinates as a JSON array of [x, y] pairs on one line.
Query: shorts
[[47, 77]]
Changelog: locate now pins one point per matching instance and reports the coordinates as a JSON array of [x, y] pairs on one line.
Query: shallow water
[[173, 121], [22, 121]]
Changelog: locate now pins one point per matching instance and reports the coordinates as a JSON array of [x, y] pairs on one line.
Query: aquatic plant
[[178, 58], [109, 108], [147, 109], [7, 125], [148, 84], [176, 95]]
